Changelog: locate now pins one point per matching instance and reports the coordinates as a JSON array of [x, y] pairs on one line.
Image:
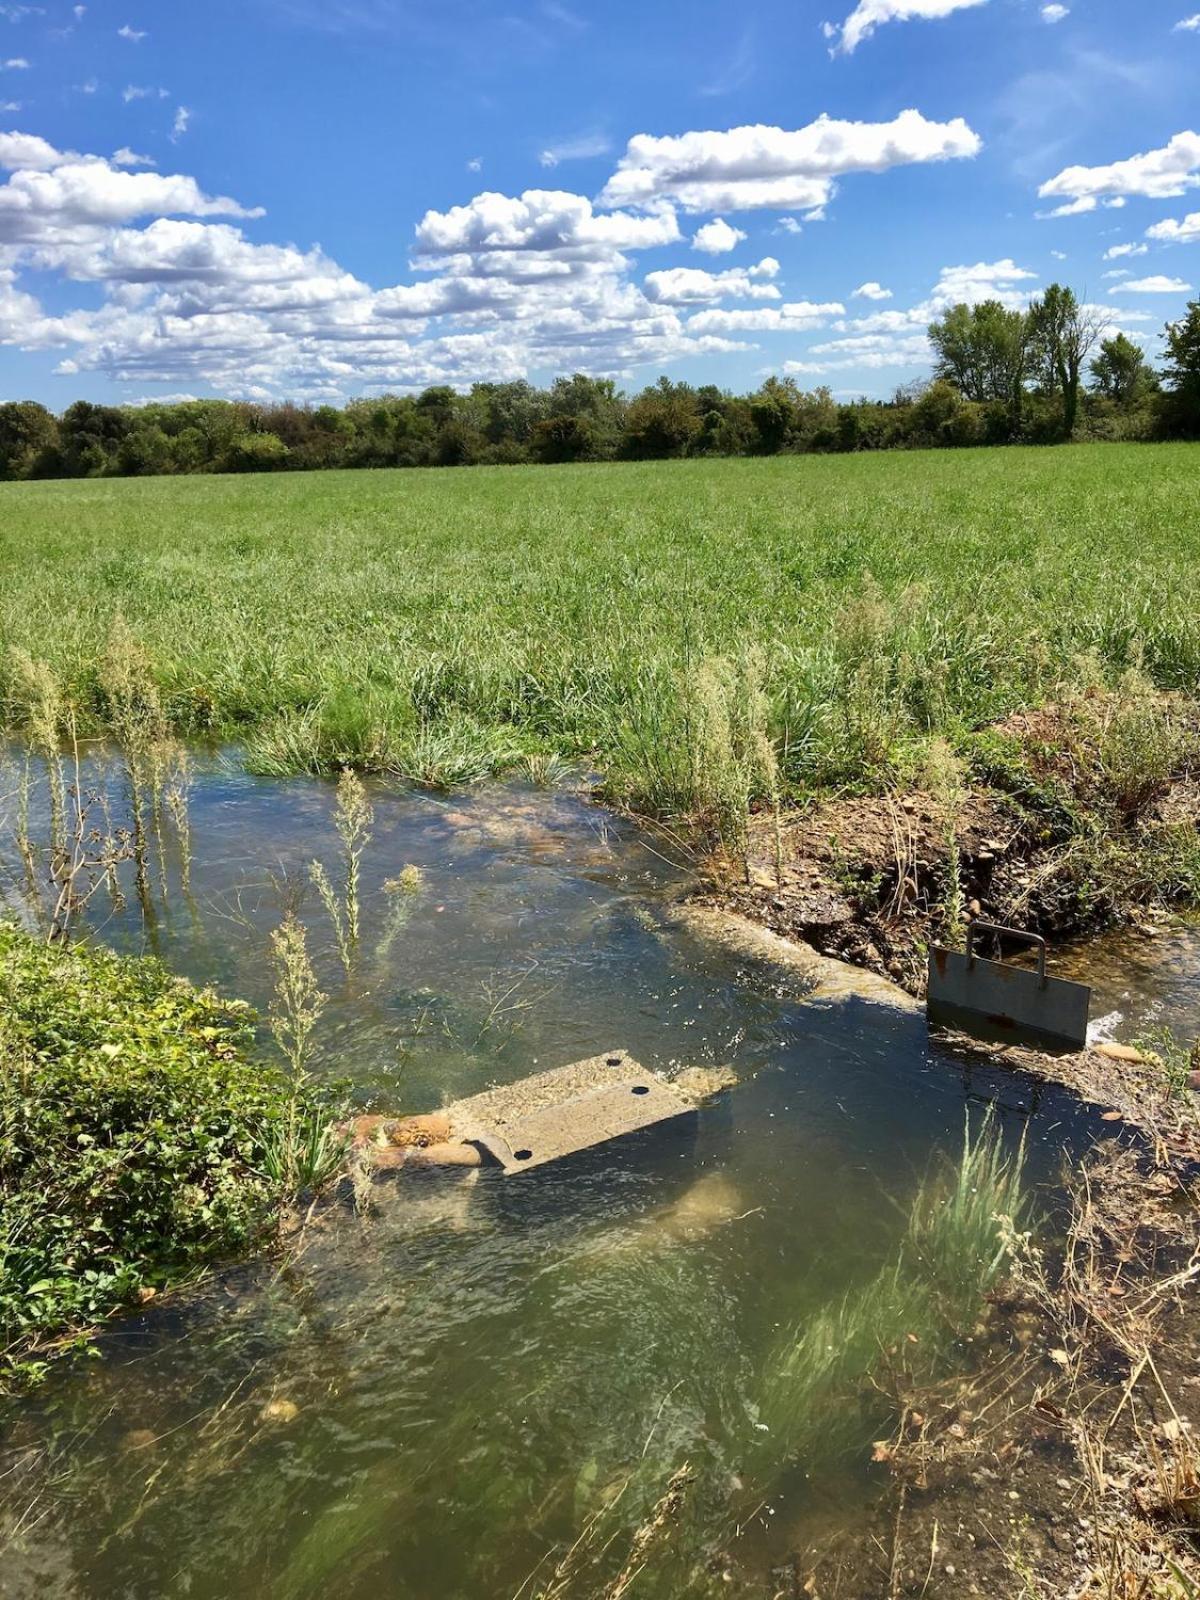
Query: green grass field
[[444, 624]]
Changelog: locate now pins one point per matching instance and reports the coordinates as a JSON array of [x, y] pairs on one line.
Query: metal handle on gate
[[1008, 933]]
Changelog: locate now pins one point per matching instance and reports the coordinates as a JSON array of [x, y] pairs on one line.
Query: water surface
[[424, 1401]]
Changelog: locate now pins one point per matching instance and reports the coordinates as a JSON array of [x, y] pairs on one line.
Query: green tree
[[1121, 372], [663, 422], [597, 405], [1182, 371], [773, 411], [91, 437], [1062, 333], [28, 439], [983, 351]]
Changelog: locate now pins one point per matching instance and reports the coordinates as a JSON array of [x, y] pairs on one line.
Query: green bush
[[137, 1137]]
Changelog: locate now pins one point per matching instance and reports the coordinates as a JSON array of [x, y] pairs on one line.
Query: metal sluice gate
[[997, 1000]]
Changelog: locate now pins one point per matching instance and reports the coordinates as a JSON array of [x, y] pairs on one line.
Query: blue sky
[[322, 198]]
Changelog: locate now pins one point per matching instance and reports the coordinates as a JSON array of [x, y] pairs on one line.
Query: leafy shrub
[[137, 1137]]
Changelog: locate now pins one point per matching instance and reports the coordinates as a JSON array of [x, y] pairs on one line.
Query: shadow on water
[[422, 1401]]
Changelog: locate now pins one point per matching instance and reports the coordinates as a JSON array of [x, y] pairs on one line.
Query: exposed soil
[[875, 880]]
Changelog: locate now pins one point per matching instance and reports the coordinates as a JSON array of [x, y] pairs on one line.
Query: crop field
[[810, 620]]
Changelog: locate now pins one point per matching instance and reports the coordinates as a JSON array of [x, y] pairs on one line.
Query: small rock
[[280, 1411], [1119, 1052], [139, 1439], [975, 908], [146, 1293]]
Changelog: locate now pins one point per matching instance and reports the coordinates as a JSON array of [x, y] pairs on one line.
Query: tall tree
[[1062, 333], [1182, 370], [28, 438], [1121, 372], [983, 350]]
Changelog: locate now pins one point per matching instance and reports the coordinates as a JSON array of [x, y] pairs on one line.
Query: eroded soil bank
[[1060, 822]]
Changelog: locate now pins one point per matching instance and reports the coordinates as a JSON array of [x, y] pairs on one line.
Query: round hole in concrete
[[522, 1155], [613, 1061], [641, 1089]]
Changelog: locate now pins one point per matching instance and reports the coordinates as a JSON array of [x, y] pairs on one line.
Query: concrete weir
[[788, 965], [556, 1114]]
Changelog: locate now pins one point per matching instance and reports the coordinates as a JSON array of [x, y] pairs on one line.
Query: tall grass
[[901, 1322], [687, 627]]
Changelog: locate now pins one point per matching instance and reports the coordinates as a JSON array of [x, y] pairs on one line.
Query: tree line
[[1000, 376]]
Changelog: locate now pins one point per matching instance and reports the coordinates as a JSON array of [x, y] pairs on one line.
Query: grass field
[[805, 621]]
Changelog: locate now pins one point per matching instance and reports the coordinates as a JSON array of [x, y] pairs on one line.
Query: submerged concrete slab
[[556, 1114]]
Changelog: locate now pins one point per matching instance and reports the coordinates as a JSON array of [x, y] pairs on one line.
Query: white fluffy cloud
[[798, 316], [1182, 230], [871, 14], [503, 286], [514, 284], [1116, 251], [717, 238], [872, 351], [746, 168], [1154, 175], [42, 203], [1188, 24], [1157, 284], [690, 286], [1055, 13], [550, 225]]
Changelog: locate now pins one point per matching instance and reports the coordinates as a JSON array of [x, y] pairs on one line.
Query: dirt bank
[[1058, 822]]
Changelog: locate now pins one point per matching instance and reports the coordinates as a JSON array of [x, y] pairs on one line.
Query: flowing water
[[422, 1402]]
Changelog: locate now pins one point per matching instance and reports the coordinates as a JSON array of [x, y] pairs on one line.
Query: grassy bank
[[138, 1139], [661, 619]]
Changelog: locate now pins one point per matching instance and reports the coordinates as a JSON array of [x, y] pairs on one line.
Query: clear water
[[425, 1401], [1140, 984]]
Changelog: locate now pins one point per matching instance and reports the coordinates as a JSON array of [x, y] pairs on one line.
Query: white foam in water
[[1104, 1028]]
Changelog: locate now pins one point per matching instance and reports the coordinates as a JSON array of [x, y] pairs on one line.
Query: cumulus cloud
[[1055, 13], [136, 91], [873, 351], [14, 64], [131, 35], [871, 291], [125, 157], [40, 202], [1157, 284], [1188, 24], [685, 286], [28, 151], [747, 168], [1116, 251], [537, 281], [1182, 230], [717, 238], [871, 14], [1154, 175], [798, 316]]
